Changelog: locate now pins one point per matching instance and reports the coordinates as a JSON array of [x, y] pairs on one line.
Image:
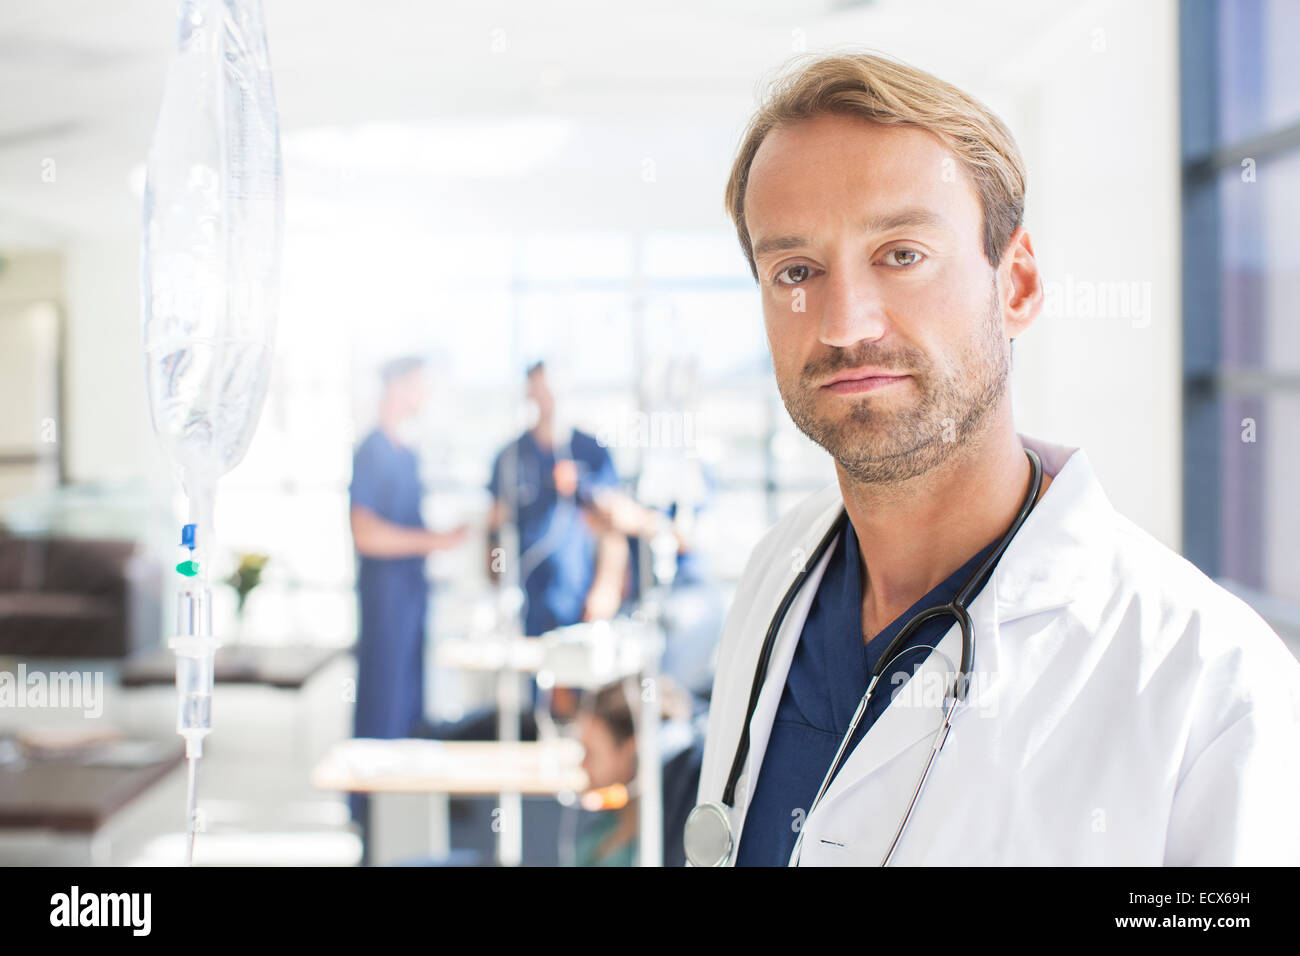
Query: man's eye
[[793, 275], [902, 257]]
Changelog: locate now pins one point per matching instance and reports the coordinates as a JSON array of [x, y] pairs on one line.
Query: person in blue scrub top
[[570, 567], [561, 491], [391, 543]]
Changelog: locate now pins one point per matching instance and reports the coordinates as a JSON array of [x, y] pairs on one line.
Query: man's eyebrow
[[901, 220], [777, 244], [874, 224]]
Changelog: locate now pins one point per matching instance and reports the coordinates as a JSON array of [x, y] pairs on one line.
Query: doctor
[[391, 543], [1111, 704], [547, 481]]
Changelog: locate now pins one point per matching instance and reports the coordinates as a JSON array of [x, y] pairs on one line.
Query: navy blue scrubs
[[557, 547], [393, 595], [828, 675]]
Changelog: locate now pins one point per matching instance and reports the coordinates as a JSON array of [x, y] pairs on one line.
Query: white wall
[[108, 431], [30, 277], [1096, 115], [31, 285]]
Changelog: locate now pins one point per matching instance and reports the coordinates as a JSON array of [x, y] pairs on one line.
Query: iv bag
[[213, 212]]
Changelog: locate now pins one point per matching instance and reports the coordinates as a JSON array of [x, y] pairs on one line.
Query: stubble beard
[[879, 442]]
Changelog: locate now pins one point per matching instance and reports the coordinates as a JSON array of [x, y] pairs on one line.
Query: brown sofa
[[68, 597]]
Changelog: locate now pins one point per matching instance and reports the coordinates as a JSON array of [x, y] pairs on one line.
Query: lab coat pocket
[[857, 826]]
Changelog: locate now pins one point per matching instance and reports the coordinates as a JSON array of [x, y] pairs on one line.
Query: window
[[666, 326], [1241, 282]]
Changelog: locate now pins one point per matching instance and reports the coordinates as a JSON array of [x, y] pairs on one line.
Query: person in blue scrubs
[[391, 543], [828, 676], [570, 568]]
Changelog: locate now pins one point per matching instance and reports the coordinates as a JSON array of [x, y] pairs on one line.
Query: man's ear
[[1020, 285]]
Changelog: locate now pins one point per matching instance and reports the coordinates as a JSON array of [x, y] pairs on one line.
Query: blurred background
[[484, 186]]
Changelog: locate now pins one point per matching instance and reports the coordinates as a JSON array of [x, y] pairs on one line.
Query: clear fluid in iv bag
[[204, 396], [213, 208]]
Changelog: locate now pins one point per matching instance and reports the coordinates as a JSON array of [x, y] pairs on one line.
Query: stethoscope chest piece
[[707, 836]]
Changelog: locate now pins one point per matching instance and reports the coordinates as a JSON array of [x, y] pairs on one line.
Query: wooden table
[[409, 782], [72, 797]]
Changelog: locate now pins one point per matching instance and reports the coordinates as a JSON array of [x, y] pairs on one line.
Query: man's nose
[[852, 307]]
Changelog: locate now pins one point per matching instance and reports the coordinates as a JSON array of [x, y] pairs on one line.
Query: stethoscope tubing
[[765, 654], [956, 608]]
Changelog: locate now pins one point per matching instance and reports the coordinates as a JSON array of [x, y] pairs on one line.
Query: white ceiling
[[670, 81]]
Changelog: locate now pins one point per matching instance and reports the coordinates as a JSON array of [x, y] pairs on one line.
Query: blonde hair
[[887, 91]]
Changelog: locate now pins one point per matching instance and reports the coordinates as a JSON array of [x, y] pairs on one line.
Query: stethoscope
[[709, 840]]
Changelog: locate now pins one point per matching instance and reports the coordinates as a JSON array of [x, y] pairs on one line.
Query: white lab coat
[[1125, 709]]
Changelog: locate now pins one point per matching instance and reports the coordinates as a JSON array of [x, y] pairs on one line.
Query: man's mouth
[[852, 381]]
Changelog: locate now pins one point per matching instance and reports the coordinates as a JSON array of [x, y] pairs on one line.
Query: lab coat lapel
[[760, 727], [1055, 551], [915, 711], [1063, 525]]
